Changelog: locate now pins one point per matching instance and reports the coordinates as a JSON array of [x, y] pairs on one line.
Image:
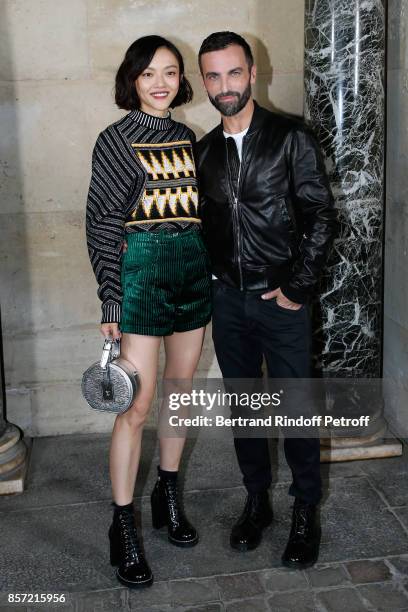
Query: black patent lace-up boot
[[125, 550], [167, 510], [256, 516], [302, 549]]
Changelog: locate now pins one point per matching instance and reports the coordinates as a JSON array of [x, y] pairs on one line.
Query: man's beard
[[228, 109]]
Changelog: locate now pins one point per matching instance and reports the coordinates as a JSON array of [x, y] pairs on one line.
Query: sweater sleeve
[[109, 189]]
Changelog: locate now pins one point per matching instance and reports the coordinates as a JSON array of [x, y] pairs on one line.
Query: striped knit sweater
[[143, 176]]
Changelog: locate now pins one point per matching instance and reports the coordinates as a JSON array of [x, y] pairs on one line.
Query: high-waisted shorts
[[166, 283]]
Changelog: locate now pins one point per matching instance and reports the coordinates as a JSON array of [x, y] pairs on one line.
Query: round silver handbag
[[111, 384]]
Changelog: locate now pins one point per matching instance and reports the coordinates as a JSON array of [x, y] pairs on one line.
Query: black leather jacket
[[279, 230]]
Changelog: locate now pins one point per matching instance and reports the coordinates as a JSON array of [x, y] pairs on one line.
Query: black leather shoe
[[167, 511], [257, 515], [126, 553], [302, 549]]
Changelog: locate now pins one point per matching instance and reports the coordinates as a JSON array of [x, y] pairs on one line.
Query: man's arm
[[312, 194]]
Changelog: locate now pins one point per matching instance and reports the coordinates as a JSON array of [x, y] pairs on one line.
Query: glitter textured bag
[[111, 384]]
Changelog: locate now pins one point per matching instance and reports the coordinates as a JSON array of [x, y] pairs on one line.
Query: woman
[[143, 190]]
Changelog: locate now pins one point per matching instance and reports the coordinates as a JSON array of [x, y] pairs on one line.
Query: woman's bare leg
[[183, 352], [143, 353]]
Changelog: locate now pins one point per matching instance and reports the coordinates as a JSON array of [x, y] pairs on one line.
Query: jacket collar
[[258, 118]]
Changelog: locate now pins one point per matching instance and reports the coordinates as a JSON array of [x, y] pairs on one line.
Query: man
[[268, 218]]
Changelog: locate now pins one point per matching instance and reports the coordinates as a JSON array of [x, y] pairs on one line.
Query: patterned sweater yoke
[[143, 177]]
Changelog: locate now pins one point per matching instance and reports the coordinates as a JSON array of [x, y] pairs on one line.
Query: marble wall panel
[[344, 101]]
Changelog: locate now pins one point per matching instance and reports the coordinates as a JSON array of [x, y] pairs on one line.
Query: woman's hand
[[111, 330]]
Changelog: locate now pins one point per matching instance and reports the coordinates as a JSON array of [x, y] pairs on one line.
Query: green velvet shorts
[[166, 283]]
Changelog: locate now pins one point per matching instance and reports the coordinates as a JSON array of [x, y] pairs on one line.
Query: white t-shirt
[[238, 141]]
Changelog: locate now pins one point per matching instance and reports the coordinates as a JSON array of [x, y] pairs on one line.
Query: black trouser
[[246, 328]]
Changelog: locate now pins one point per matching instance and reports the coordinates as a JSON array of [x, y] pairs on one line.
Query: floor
[[54, 536]]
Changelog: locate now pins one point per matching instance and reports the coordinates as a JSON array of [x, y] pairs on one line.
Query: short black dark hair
[[137, 58], [222, 40]]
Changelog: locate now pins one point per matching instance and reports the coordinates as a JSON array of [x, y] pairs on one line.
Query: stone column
[[13, 451], [344, 103]]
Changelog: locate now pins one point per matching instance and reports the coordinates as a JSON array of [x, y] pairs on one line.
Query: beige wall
[[396, 219], [58, 61]]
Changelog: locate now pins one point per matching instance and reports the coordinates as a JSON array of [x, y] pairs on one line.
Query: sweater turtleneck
[[151, 121]]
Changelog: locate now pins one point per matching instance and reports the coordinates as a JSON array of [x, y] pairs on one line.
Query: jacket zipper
[[235, 199], [241, 281]]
